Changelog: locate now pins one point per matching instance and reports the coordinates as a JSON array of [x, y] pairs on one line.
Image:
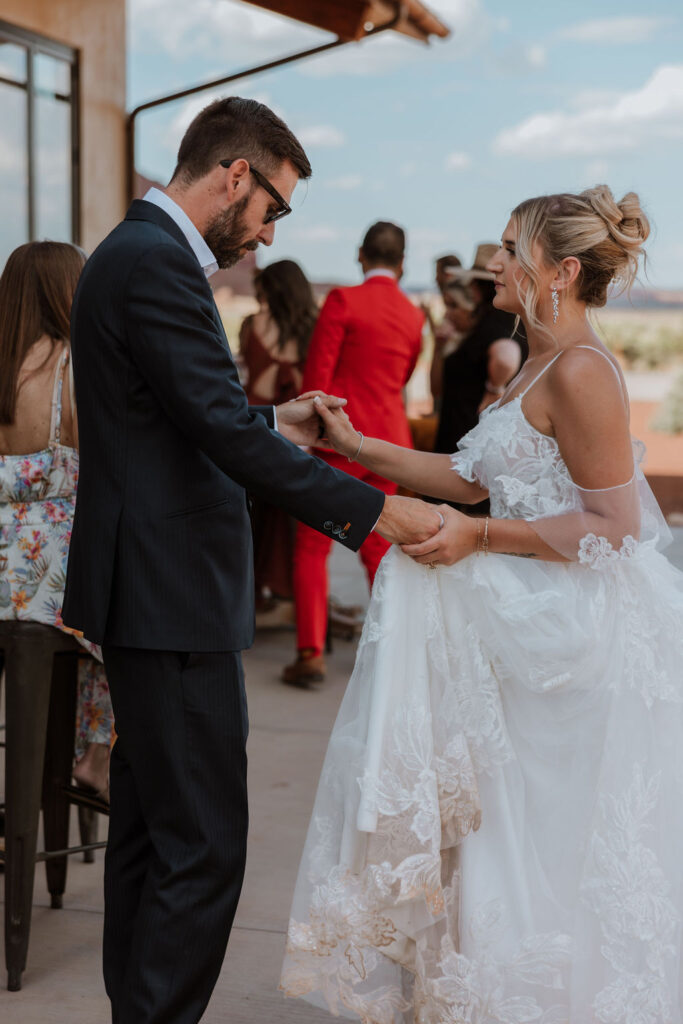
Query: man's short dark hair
[[384, 244], [234, 128]]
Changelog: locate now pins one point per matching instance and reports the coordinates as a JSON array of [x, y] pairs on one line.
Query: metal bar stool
[[40, 665]]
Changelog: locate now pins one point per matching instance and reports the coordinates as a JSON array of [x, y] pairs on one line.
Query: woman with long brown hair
[[39, 469], [273, 345]]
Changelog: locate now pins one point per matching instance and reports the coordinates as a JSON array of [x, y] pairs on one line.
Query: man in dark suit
[[160, 564]]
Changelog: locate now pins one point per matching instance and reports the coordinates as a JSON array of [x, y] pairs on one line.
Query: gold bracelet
[[478, 534], [485, 543]]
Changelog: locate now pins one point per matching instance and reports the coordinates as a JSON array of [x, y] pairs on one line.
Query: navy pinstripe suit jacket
[[161, 553]]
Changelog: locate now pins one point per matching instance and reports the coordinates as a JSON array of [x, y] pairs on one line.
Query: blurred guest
[[273, 346], [364, 348], [39, 470], [445, 271], [460, 306], [477, 371]]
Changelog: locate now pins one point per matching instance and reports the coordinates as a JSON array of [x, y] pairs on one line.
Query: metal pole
[[246, 73]]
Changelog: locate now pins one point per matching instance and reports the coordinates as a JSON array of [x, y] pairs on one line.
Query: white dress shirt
[[380, 272], [205, 258]]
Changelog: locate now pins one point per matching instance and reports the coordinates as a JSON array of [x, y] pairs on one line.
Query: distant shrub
[[643, 349], [669, 416]]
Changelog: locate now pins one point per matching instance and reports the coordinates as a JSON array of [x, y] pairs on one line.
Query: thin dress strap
[[606, 358], [539, 375], [56, 417]]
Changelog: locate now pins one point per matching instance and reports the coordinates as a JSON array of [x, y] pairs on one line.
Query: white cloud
[[347, 182], [225, 29], [189, 108], [322, 136], [629, 121], [458, 161], [616, 31], [470, 27]]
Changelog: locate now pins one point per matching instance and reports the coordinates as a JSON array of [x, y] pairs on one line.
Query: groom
[[160, 565]]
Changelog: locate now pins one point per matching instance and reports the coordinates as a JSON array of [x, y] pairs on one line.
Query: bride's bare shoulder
[[582, 371]]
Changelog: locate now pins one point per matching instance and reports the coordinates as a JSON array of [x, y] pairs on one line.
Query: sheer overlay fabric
[[497, 835]]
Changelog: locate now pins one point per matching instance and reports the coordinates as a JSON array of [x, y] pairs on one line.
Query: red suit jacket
[[364, 348]]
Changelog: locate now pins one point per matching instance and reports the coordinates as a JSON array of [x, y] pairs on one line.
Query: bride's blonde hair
[[606, 237]]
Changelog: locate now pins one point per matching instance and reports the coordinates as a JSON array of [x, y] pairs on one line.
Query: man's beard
[[226, 237]]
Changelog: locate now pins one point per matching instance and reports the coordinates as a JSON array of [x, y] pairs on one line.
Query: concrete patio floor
[[289, 732]]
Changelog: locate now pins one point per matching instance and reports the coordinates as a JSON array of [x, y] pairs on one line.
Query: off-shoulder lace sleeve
[[468, 462]]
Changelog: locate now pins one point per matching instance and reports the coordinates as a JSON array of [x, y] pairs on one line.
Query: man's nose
[[267, 234]]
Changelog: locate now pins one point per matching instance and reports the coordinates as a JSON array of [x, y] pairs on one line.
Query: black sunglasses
[[283, 206]]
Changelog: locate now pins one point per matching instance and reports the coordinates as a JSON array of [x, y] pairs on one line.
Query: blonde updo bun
[[606, 237]]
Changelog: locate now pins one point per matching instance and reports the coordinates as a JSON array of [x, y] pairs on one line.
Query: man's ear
[[237, 179]]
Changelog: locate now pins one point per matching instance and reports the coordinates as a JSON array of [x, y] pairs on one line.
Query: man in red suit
[[364, 347]]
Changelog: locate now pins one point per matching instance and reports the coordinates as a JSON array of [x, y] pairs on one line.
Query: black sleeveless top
[[465, 373]]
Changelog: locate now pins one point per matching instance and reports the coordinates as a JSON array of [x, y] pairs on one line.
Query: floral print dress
[[37, 502]]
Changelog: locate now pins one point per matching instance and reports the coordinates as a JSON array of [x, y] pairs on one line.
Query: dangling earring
[[556, 305]]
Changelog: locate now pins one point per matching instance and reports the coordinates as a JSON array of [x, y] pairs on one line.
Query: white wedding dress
[[497, 836]]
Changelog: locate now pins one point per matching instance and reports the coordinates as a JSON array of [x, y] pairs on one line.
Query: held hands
[[409, 521], [339, 431], [455, 541], [299, 420]]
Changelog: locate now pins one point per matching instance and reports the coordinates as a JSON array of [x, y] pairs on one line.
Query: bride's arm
[[589, 415], [424, 472]]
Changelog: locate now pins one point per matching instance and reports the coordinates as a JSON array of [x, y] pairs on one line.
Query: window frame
[[34, 43]]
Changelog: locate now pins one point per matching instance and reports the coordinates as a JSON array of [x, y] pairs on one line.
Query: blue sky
[[523, 99]]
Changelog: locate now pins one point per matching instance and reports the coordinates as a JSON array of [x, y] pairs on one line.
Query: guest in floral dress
[[39, 471]]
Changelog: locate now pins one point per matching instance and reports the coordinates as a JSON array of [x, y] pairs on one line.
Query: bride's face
[[510, 280]]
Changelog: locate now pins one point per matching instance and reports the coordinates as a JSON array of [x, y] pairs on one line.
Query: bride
[[498, 830]]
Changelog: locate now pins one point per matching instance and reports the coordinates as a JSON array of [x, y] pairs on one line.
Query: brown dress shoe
[[304, 671]]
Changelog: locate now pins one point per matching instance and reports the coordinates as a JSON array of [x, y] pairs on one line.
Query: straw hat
[[478, 272]]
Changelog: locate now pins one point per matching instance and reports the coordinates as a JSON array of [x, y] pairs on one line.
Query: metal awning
[[353, 19]]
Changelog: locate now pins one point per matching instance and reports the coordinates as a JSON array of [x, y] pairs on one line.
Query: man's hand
[[455, 541], [408, 520], [298, 420]]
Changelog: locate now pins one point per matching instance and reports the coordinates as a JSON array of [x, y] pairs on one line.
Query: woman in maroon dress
[[273, 346]]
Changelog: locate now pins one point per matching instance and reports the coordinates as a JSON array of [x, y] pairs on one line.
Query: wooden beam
[[351, 19], [346, 18]]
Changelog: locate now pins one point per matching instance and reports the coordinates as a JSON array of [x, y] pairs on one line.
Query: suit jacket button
[[343, 536], [337, 529], [328, 524]]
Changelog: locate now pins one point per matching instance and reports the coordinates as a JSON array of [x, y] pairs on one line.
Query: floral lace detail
[[503, 439], [628, 892], [597, 552]]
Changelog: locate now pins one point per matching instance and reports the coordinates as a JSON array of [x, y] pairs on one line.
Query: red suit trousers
[[311, 552]]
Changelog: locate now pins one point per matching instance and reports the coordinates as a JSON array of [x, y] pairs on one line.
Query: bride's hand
[[339, 431], [456, 540]]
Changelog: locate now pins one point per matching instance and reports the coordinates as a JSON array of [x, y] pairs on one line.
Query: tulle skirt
[[498, 830]]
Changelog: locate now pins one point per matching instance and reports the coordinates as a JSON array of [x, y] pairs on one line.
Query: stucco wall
[[98, 29]]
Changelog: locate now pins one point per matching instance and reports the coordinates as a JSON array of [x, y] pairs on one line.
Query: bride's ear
[[567, 273]]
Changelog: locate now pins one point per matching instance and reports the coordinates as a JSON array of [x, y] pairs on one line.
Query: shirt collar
[[380, 272], [206, 258]]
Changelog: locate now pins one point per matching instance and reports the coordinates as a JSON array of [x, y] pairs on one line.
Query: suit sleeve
[[176, 346], [326, 343]]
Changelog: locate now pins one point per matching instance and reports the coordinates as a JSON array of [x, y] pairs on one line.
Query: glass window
[[12, 62], [38, 121], [52, 148], [13, 170]]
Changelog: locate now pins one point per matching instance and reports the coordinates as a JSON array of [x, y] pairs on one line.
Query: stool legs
[[57, 772], [28, 673]]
